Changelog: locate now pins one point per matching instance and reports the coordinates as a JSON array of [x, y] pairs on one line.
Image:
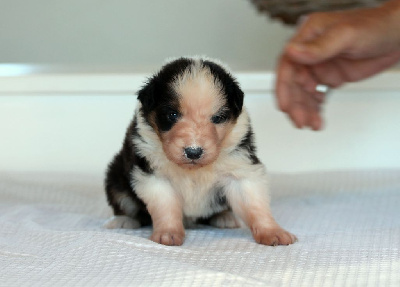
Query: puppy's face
[[192, 105]]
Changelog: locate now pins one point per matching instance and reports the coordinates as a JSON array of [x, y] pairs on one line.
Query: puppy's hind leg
[[122, 221], [129, 211], [224, 219], [126, 210]]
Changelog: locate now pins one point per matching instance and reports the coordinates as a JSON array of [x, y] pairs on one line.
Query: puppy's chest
[[202, 193]]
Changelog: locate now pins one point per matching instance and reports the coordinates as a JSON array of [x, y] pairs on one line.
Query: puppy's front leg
[[165, 208], [249, 199]]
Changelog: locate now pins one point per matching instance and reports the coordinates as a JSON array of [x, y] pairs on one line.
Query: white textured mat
[[348, 225]]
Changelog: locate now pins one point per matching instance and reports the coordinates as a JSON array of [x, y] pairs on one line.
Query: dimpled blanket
[[347, 223]]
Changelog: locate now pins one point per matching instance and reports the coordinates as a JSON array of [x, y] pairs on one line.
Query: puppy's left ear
[[146, 96], [235, 96]]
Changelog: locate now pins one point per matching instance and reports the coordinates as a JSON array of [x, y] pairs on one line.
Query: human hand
[[332, 49]]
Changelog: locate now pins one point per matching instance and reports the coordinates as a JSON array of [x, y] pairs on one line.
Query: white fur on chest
[[197, 189]]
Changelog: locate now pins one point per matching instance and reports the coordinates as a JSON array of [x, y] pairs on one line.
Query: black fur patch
[[219, 200], [234, 95], [247, 143], [167, 116], [158, 97], [157, 91], [118, 176]]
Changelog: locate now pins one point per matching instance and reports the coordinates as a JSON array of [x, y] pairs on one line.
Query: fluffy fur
[[189, 156]]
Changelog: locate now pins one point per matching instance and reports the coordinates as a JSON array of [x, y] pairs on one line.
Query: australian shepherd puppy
[[189, 156]]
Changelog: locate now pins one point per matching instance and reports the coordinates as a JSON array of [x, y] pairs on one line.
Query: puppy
[[189, 157]]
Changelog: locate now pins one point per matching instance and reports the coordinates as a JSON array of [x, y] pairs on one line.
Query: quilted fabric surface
[[348, 225]]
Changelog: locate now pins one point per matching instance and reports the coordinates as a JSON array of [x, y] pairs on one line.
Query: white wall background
[[68, 129], [137, 35], [81, 132]]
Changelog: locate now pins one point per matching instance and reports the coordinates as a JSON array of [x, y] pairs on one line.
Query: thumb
[[327, 45]]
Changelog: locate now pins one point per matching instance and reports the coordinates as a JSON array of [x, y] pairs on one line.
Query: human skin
[[334, 48]]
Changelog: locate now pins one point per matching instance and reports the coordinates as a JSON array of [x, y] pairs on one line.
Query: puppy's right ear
[[146, 96]]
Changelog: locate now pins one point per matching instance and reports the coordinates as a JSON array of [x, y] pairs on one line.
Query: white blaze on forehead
[[200, 93]]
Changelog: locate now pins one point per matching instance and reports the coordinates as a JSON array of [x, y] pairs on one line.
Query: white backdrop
[[138, 35], [80, 131]]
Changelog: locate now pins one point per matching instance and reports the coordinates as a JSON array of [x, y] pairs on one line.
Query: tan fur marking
[[200, 98]]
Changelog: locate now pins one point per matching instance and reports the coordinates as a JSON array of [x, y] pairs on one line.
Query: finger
[[283, 86], [315, 121], [302, 106], [298, 114], [307, 81], [319, 98], [311, 26], [358, 69], [305, 78], [314, 114], [306, 111], [328, 73], [321, 48], [295, 91], [293, 104]]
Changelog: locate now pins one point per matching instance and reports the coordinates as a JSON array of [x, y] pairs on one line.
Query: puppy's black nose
[[193, 152]]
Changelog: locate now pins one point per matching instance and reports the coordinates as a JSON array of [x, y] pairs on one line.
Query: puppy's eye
[[218, 119], [173, 116]]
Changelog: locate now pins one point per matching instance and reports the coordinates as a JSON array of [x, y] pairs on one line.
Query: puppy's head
[[192, 104]]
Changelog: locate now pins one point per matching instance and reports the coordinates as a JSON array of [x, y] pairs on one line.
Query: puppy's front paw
[[168, 237], [272, 236]]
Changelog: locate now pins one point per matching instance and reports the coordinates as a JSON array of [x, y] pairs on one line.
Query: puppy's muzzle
[[193, 153]]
